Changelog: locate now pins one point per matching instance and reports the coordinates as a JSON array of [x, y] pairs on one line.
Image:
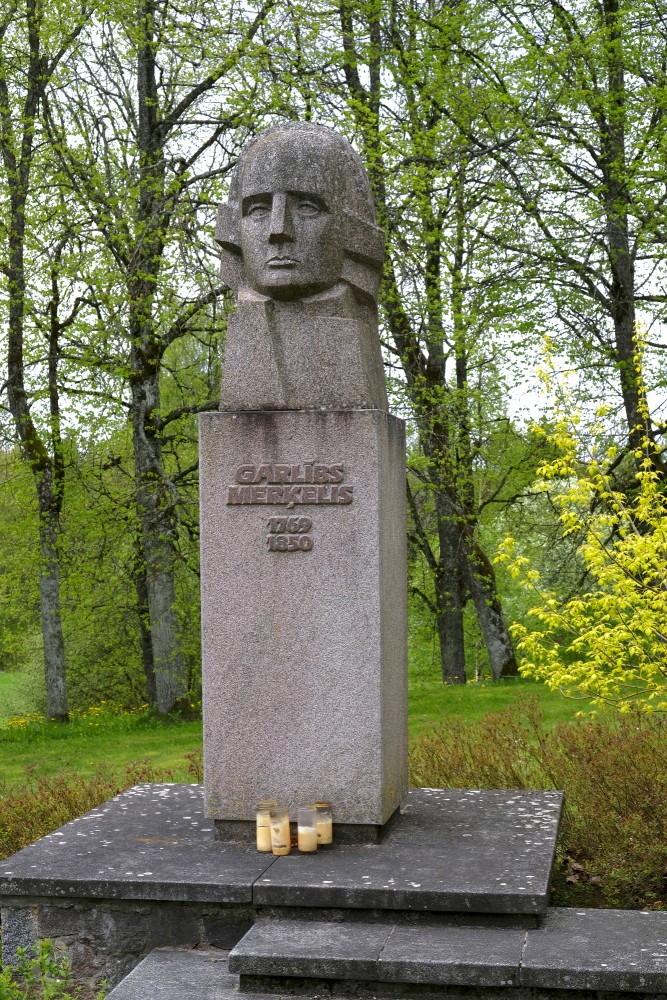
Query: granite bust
[[302, 251]]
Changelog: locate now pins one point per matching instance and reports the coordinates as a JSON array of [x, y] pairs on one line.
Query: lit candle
[[324, 824], [264, 824], [307, 830], [281, 841]]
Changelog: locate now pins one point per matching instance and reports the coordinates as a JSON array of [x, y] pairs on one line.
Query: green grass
[[68, 748], [87, 744], [432, 701], [112, 742], [10, 696]]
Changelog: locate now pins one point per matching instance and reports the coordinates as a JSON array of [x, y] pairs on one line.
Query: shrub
[[605, 641], [44, 976], [195, 761], [612, 848]]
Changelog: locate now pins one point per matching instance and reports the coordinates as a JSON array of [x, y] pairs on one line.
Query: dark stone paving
[[465, 851], [452, 955], [616, 951], [455, 955], [151, 842], [598, 950], [593, 954], [451, 851], [175, 974]]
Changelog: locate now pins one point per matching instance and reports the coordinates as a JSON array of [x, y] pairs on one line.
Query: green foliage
[[19, 562], [43, 975], [612, 849], [609, 642]]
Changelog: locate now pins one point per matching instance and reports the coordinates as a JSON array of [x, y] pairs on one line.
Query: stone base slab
[[575, 955], [450, 851], [177, 974], [618, 951]]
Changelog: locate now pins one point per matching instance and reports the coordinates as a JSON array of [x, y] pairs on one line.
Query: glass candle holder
[[264, 824], [307, 829], [281, 842], [324, 823]]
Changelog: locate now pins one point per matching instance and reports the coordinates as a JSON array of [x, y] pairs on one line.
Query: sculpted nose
[[280, 229]]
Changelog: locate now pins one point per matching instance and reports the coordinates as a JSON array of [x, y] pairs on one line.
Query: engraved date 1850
[[289, 534]]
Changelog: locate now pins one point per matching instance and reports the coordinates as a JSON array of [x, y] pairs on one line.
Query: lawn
[[10, 696], [94, 742], [52, 748], [433, 701]]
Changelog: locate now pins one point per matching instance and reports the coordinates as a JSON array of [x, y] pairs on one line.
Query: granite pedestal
[[304, 614]]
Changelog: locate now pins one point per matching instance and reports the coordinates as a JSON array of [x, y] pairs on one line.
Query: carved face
[[289, 224]]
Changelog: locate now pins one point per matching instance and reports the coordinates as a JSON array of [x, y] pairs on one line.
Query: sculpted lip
[[282, 262]]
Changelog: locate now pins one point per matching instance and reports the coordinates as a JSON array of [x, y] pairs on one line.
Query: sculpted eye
[[258, 208], [307, 207]]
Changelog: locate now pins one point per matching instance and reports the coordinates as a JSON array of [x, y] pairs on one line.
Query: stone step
[[600, 950], [178, 974]]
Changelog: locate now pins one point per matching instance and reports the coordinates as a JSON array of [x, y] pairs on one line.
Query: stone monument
[[304, 632], [303, 503]]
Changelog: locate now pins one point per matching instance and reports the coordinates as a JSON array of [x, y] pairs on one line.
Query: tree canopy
[[517, 157]]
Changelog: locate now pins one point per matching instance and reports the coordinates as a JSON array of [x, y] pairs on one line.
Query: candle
[[264, 824], [324, 823], [263, 837], [306, 829], [281, 841]]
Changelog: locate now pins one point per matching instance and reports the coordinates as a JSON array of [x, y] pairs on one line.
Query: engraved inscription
[[280, 483], [289, 534], [306, 472]]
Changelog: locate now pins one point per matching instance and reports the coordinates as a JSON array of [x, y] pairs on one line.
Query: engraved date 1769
[[289, 534]]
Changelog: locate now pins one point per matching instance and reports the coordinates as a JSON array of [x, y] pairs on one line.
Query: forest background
[[517, 153]]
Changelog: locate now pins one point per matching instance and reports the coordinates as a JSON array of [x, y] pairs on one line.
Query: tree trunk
[[449, 605], [141, 589], [49, 594], [47, 470], [155, 509], [482, 583], [170, 674], [155, 499], [617, 198]]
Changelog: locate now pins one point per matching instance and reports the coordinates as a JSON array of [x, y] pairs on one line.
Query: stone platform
[[454, 902], [144, 870], [465, 851], [583, 954], [451, 851]]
